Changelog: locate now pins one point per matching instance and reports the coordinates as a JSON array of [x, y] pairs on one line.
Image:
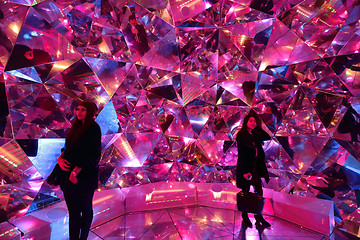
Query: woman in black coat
[[79, 161], [251, 166]]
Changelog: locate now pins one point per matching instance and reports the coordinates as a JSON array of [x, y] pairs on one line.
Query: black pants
[[256, 182], [80, 213]]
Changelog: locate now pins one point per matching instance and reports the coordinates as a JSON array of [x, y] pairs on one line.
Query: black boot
[[246, 221], [260, 221]]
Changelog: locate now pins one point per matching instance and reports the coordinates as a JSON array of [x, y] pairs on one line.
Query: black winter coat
[[247, 145], [84, 153]]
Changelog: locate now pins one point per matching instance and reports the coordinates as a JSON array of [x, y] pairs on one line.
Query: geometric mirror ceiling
[[172, 97]]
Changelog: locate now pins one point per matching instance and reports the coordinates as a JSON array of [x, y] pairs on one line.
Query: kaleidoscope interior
[[170, 108]]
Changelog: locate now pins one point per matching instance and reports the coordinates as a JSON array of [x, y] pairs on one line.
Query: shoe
[[258, 224], [260, 221], [246, 221]]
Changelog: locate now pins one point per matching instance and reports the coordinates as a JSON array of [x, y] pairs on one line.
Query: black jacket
[[84, 153], [247, 145], [140, 40]]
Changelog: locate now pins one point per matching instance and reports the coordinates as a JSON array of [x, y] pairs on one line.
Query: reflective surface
[[188, 211], [193, 222], [173, 95]]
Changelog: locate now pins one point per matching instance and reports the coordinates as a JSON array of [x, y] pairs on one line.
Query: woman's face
[[268, 110], [80, 112], [251, 124]]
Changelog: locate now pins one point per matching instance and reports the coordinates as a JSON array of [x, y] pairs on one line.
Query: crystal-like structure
[[171, 100]]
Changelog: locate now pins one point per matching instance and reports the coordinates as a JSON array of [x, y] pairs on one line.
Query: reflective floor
[[131, 216], [198, 223], [183, 223]]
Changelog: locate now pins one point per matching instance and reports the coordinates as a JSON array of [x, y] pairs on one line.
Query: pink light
[[23, 211], [37, 175], [133, 163], [35, 185], [207, 5], [188, 140], [231, 10]]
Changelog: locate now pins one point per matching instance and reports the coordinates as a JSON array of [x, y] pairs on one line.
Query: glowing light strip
[[8, 161], [186, 3], [9, 232]]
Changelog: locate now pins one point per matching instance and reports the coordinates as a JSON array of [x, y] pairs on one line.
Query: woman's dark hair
[[325, 190], [246, 119], [132, 17], [78, 128], [272, 106]]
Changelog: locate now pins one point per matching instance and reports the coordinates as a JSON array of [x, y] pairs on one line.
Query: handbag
[[250, 202], [56, 176]]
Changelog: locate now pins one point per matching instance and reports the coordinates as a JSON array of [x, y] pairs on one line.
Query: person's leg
[[245, 217], [73, 206], [256, 182], [260, 221], [86, 214]]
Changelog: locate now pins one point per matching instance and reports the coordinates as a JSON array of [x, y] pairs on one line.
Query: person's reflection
[[348, 123], [328, 194], [284, 141], [248, 47], [4, 40], [242, 233], [144, 72], [340, 63], [248, 90], [287, 17], [263, 36], [4, 109], [22, 56], [219, 122], [166, 121], [212, 43], [50, 115], [269, 116], [188, 48], [262, 236], [136, 35], [325, 108], [298, 100], [263, 5]]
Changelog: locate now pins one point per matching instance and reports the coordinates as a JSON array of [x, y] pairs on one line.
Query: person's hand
[[64, 165], [29, 54], [134, 31], [247, 176], [73, 178]]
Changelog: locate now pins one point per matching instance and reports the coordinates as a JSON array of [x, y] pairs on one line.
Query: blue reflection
[[27, 36], [47, 153], [34, 33], [107, 120]]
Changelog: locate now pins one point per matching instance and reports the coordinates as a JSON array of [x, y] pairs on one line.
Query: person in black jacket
[[136, 35], [251, 165], [79, 161]]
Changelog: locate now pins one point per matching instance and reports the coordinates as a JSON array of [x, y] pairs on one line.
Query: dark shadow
[[262, 235], [4, 40], [350, 122], [4, 109], [265, 6], [242, 233], [23, 56], [248, 88]]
